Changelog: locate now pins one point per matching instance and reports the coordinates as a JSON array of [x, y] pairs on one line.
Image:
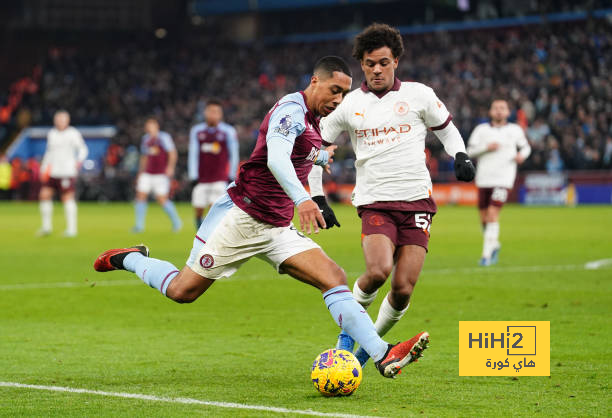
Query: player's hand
[[170, 172], [493, 146], [331, 150], [310, 217], [519, 159], [464, 169], [328, 214]]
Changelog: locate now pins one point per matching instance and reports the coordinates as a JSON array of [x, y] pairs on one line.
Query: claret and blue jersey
[[293, 130], [156, 148], [213, 153]]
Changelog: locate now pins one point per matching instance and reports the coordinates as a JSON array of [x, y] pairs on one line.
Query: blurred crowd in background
[[556, 77]]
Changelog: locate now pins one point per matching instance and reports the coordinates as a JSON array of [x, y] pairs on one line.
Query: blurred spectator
[[554, 163], [556, 76]]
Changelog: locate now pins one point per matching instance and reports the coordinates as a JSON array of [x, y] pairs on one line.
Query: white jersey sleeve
[[82, 150], [522, 144], [335, 123], [434, 113]]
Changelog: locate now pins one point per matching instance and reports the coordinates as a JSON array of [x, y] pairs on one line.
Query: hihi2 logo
[[504, 348]]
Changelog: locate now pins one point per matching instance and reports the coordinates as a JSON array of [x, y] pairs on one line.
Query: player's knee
[[402, 291], [378, 274], [182, 294], [337, 277]]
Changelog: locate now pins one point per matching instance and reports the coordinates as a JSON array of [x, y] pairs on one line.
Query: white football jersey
[[388, 137], [497, 168], [65, 149]]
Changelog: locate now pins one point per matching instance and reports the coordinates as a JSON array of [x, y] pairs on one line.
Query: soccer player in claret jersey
[[254, 219], [157, 163], [499, 146], [213, 158], [387, 121], [64, 155]]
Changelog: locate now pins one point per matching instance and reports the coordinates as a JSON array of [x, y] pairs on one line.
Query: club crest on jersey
[[284, 125], [401, 108], [207, 261]]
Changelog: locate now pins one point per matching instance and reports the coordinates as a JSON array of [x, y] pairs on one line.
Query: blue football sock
[[156, 273], [140, 208], [362, 356], [353, 319], [345, 342], [171, 212]]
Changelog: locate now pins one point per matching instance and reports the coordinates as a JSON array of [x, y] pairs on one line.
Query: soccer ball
[[336, 373]]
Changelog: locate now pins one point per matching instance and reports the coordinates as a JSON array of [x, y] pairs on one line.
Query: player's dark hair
[[375, 36], [327, 65], [214, 101], [499, 99]]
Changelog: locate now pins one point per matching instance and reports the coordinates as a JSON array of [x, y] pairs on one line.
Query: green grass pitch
[[251, 339]]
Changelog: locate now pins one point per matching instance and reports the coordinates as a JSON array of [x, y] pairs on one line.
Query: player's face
[[61, 121], [499, 111], [152, 127], [379, 69], [328, 92], [213, 114]]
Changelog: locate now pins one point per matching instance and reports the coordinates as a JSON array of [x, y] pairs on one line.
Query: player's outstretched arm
[[279, 163]]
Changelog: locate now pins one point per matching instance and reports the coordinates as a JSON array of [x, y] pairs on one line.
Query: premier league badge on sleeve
[[284, 125]]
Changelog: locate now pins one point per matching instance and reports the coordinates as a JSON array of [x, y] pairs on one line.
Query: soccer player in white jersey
[[387, 121], [499, 147], [65, 153]]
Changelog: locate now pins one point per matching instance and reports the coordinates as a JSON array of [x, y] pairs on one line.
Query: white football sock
[[365, 299], [46, 213], [70, 211], [388, 316], [491, 236]]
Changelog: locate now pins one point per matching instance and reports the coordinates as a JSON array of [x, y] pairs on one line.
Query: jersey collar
[[396, 86]]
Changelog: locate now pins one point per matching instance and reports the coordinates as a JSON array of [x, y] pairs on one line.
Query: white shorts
[[238, 237], [205, 194], [159, 184]]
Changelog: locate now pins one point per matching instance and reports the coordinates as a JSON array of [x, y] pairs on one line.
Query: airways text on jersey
[[313, 155]]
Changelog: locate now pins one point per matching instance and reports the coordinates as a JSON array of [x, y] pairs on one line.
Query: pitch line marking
[[591, 265], [83, 284], [188, 401], [596, 264]]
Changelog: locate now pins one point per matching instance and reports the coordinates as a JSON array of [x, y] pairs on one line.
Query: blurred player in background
[[254, 216], [213, 158], [64, 155], [157, 162], [387, 121], [499, 146]]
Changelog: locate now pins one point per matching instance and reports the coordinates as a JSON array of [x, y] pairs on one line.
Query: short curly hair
[[375, 36]]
